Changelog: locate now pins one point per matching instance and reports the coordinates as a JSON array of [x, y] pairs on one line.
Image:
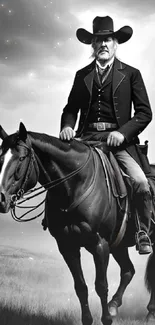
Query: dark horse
[[79, 211]]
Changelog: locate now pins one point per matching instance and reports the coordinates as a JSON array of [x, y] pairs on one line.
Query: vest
[[101, 109]]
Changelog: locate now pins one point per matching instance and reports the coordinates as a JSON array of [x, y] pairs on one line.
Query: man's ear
[[3, 134], [22, 132]]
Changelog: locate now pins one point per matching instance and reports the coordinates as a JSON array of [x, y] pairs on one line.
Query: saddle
[[119, 181], [114, 173], [120, 184]]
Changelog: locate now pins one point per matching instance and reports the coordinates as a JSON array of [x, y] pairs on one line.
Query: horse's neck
[[57, 158]]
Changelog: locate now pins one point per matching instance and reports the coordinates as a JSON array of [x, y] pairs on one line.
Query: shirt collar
[[109, 63]]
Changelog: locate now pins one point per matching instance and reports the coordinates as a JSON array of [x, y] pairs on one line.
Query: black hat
[[103, 26]]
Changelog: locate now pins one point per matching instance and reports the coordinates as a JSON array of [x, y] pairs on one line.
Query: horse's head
[[18, 167]]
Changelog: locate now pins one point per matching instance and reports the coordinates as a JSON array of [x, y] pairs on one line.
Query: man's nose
[[103, 42]]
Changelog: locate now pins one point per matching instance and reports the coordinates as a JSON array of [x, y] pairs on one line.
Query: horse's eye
[[19, 169], [21, 158]]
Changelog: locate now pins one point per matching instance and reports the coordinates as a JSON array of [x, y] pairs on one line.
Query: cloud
[[34, 30], [136, 7], [38, 30]]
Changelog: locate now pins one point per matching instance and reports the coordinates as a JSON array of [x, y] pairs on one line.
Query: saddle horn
[[3, 134]]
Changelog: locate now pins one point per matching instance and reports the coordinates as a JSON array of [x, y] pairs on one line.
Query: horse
[[79, 211]]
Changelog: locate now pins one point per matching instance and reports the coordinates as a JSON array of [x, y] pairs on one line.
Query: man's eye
[[109, 39]]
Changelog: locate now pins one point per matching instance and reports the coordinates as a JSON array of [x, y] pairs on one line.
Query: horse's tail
[[149, 273]]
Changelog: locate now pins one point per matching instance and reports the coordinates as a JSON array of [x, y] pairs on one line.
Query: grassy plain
[[37, 289]]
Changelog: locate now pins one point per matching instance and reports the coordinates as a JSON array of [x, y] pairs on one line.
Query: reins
[[47, 186]]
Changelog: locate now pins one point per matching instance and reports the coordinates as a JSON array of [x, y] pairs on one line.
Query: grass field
[[37, 289]]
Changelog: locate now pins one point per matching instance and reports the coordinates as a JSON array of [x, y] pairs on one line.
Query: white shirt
[[109, 63]]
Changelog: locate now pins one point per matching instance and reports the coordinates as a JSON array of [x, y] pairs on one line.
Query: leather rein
[[26, 196]]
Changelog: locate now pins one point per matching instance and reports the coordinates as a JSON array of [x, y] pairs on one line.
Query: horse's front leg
[[73, 260], [100, 253], [127, 272]]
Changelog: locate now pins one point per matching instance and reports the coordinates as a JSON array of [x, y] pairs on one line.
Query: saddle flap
[[119, 181], [114, 173]]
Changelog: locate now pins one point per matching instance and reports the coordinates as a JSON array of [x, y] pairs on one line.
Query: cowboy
[[104, 92]]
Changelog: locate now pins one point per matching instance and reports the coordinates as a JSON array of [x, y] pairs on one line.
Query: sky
[[39, 55]]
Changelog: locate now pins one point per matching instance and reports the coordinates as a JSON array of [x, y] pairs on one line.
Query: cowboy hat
[[103, 26]]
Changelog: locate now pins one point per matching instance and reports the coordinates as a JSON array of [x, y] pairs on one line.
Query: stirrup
[[142, 233], [143, 247]]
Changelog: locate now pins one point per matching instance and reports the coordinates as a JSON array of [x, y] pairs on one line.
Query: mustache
[[101, 49]]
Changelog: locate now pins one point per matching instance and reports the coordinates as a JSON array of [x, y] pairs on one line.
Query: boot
[[143, 205]]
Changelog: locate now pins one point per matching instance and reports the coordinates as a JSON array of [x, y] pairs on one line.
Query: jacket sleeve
[[70, 111], [142, 110]]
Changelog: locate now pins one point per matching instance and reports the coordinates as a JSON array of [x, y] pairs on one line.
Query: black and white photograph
[[77, 162]]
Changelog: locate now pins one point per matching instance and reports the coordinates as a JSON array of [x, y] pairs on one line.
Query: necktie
[[103, 73]]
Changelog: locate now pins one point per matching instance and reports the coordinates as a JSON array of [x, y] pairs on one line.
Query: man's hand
[[115, 139], [67, 134]]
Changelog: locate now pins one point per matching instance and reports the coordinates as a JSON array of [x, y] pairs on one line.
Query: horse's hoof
[[107, 320], [150, 318], [113, 309]]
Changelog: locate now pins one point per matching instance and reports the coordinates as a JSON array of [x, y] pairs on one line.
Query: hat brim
[[122, 35]]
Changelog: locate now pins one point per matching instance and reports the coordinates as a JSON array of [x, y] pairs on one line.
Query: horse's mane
[[43, 137], [46, 140]]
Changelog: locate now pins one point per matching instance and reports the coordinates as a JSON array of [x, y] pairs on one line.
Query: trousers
[[133, 170], [142, 195]]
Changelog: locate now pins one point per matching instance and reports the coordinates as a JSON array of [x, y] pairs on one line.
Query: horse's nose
[[3, 202]]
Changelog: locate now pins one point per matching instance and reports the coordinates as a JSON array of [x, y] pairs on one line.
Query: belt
[[101, 126]]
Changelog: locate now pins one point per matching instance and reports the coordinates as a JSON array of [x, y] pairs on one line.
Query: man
[[104, 92]]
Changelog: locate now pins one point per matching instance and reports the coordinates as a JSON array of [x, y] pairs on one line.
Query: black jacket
[[128, 90]]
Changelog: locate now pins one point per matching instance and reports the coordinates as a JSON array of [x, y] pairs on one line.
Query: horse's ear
[[22, 132], [3, 134]]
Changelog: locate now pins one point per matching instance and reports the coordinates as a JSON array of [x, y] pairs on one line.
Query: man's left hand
[[115, 139]]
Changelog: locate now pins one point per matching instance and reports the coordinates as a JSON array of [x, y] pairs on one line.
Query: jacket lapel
[[89, 81], [118, 74], [90, 77]]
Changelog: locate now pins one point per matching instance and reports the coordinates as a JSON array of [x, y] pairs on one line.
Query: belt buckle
[[101, 126]]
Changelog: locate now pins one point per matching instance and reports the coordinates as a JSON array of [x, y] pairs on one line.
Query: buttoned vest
[[101, 109]]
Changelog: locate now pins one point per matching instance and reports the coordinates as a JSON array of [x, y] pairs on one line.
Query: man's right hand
[[67, 133]]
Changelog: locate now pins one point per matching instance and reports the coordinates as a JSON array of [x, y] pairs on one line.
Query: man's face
[[104, 48]]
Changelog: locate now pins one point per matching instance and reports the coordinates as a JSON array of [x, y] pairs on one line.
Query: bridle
[[26, 196], [21, 192]]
